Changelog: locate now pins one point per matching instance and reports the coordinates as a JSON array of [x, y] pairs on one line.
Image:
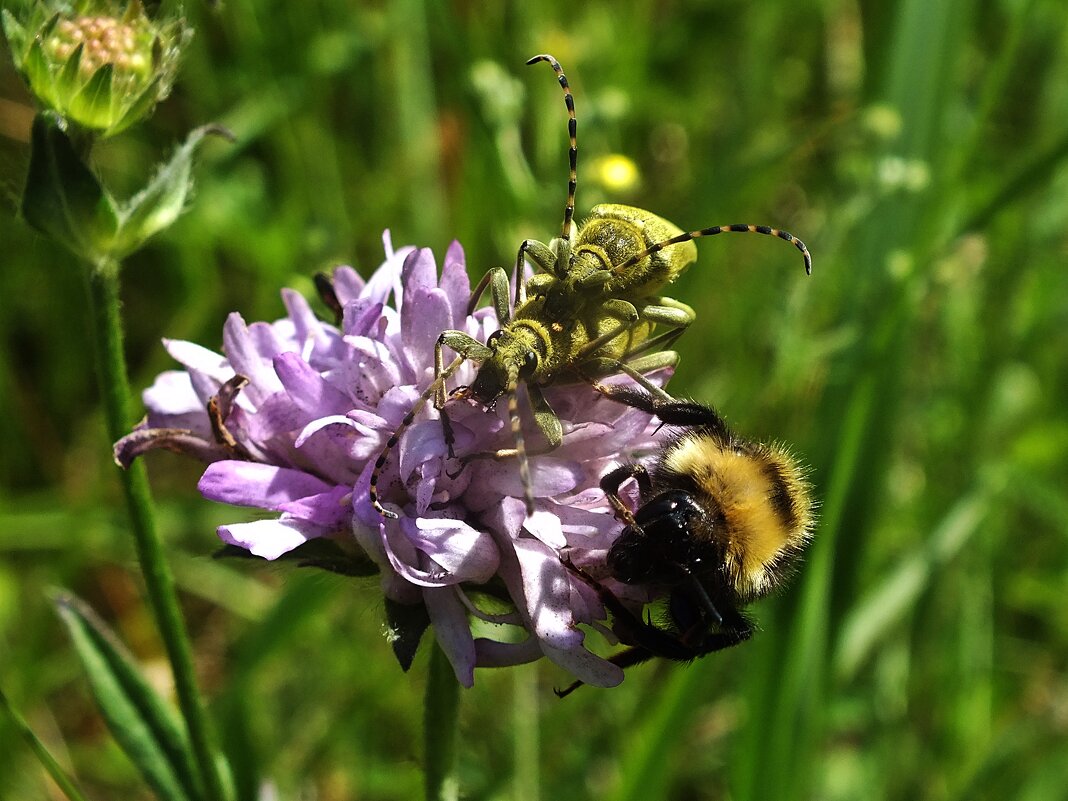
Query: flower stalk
[[114, 382], [441, 713]]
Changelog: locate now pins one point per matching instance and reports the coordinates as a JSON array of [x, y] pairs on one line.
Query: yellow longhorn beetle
[[588, 314]]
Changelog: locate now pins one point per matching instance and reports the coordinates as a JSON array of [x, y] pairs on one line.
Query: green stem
[[440, 714], [115, 394], [49, 762]]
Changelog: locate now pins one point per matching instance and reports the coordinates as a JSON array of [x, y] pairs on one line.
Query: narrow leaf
[[142, 724], [63, 199], [44, 756]]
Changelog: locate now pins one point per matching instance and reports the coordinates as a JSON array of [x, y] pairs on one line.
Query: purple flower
[[300, 410]]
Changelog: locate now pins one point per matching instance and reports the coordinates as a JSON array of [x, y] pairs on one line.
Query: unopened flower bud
[[99, 66]]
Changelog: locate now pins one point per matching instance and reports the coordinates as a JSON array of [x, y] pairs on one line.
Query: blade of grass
[[44, 756]]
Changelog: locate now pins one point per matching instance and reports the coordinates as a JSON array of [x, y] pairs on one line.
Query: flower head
[[292, 416], [97, 66]]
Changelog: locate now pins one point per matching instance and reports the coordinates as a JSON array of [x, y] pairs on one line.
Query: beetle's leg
[[466, 347], [497, 280]]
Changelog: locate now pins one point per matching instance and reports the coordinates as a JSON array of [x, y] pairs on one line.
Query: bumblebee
[[722, 522], [589, 313]]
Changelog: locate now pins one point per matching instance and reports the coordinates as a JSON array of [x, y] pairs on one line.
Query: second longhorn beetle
[[587, 314]]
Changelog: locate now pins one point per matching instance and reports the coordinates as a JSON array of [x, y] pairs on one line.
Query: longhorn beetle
[[588, 314]]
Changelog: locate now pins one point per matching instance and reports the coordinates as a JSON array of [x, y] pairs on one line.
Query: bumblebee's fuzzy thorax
[[760, 508]]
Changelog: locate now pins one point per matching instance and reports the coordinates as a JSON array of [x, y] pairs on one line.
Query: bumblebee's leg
[[727, 628], [611, 482], [626, 658], [672, 412], [632, 630]]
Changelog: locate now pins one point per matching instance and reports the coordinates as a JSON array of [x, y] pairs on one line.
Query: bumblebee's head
[[660, 548]]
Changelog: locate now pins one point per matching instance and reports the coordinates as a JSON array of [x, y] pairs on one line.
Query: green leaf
[[404, 628], [158, 205], [139, 109], [63, 199], [69, 81], [91, 107], [142, 724], [14, 33], [36, 72], [44, 756]]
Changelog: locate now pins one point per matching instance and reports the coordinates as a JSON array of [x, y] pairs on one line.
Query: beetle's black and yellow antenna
[[713, 231], [572, 133]]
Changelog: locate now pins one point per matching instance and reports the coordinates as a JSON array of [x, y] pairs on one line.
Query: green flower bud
[[99, 67]]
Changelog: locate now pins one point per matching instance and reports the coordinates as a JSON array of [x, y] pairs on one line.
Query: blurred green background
[[917, 146]]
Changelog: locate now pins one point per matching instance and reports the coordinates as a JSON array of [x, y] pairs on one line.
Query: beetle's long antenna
[[718, 229], [394, 438], [572, 131]]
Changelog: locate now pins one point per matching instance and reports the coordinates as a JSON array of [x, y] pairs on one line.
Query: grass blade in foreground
[[142, 724], [48, 762]]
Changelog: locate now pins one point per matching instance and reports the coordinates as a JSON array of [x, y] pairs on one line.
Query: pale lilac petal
[[357, 441], [270, 538], [246, 359], [347, 284], [307, 389], [456, 284], [419, 273], [309, 330], [423, 442], [198, 359], [462, 550], [548, 476], [452, 631], [420, 332], [439, 552], [172, 394], [270, 340], [491, 653], [360, 316], [547, 588], [329, 509], [585, 666], [546, 527], [261, 485]]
